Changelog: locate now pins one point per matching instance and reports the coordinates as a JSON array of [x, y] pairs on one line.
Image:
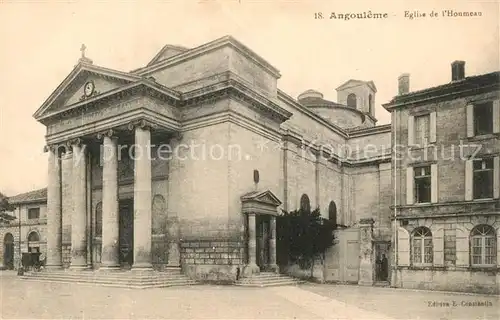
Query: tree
[[304, 236], [5, 207]]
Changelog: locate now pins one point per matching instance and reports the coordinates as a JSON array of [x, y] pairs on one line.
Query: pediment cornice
[[79, 71]]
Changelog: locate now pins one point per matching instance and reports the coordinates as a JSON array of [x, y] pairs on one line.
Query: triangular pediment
[[72, 90], [167, 52], [354, 83], [266, 197]]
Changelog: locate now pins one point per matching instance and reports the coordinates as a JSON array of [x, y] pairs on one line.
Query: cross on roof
[[82, 49]]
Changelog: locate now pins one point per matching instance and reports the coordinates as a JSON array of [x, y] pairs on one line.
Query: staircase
[[114, 278], [268, 279]]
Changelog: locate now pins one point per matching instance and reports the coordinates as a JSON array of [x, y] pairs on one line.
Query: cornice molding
[[206, 48]]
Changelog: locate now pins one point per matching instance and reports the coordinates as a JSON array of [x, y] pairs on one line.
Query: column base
[[365, 283], [251, 269], [274, 268]]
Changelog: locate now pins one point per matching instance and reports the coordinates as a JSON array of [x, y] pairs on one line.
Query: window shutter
[[496, 177], [468, 180], [403, 247], [411, 130], [470, 121], [438, 247], [496, 116], [432, 127], [409, 185], [434, 183], [462, 247]]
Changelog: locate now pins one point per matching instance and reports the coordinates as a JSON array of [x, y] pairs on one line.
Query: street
[[21, 299]]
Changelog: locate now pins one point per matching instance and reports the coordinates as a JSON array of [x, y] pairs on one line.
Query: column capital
[[176, 136], [142, 123], [75, 142], [108, 133]]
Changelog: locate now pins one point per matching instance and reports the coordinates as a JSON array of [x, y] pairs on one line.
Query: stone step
[[103, 276], [105, 280], [119, 285], [119, 278], [268, 279], [277, 280]]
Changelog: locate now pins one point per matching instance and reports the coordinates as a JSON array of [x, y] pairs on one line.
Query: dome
[[310, 94]]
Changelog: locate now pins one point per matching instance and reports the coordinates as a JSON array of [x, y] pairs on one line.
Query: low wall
[[474, 281], [212, 261], [294, 270]]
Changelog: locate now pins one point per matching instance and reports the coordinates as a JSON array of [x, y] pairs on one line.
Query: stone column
[[110, 256], [173, 232], [272, 244], [54, 218], [366, 250], [252, 267], [79, 218], [142, 197]]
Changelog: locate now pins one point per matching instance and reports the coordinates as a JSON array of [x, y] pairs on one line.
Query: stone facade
[[239, 150], [453, 211], [20, 235]]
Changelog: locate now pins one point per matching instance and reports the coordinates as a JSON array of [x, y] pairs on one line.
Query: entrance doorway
[[8, 251], [263, 237], [126, 233], [382, 251]]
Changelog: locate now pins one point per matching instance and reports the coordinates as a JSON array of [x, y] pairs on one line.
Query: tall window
[[332, 213], [483, 118], [483, 246], [305, 204], [351, 100], [422, 177], [422, 246], [98, 220], [370, 104], [422, 130], [483, 178], [33, 213]]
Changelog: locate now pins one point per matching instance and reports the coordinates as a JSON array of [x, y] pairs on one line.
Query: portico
[[260, 209]]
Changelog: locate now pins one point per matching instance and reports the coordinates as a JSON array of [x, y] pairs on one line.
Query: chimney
[[404, 83], [457, 70]]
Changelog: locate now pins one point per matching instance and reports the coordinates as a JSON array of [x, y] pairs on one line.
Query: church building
[[186, 162]]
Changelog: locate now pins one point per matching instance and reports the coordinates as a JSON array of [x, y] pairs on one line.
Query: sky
[[40, 45]]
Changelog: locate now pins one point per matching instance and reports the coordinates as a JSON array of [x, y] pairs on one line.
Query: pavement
[[22, 299]]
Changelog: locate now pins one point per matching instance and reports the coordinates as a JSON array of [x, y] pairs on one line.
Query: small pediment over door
[[84, 82], [260, 202]]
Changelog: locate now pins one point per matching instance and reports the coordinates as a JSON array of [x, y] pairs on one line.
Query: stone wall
[[214, 261]]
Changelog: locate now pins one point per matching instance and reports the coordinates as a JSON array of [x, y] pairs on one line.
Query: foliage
[[303, 236], [5, 207]]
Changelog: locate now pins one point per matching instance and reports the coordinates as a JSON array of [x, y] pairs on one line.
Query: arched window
[[370, 104], [422, 246], [332, 212], [9, 238], [33, 237], [483, 246], [98, 220], [351, 100], [305, 204]]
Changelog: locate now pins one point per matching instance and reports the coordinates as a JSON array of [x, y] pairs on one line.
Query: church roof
[[166, 52], [39, 195], [354, 83]]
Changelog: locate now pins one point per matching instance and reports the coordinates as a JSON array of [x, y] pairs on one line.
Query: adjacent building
[[446, 168], [27, 233]]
